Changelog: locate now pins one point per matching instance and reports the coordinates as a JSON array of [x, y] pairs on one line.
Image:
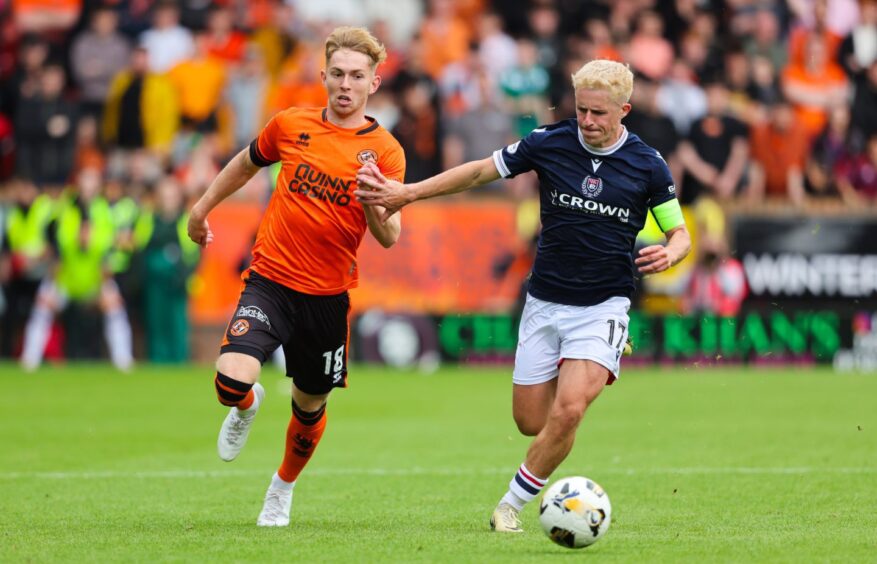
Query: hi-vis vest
[[143, 233], [27, 231], [80, 272], [125, 214]]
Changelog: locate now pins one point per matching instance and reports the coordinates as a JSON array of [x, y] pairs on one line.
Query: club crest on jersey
[[239, 327], [367, 156], [592, 186]]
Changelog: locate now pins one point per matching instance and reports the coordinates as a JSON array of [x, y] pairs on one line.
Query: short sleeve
[[738, 129], [661, 186], [518, 157], [392, 164], [263, 149]]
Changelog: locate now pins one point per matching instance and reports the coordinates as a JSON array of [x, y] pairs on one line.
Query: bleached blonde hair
[[357, 39], [611, 76]]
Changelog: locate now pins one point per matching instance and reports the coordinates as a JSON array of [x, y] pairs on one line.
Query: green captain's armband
[[668, 215]]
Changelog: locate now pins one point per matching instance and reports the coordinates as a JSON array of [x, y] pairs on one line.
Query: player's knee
[[528, 426], [306, 402], [309, 417], [229, 391], [566, 418], [240, 366]]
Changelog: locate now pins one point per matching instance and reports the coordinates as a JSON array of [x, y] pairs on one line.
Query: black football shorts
[[313, 331]]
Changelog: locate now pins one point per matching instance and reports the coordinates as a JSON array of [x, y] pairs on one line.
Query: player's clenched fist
[[376, 189], [199, 230]]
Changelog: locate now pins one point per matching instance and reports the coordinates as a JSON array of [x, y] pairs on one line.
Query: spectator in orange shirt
[[649, 53], [298, 83], [814, 86], [780, 147], [816, 30], [199, 82], [600, 40], [223, 41], [45, 16], [445, 37]]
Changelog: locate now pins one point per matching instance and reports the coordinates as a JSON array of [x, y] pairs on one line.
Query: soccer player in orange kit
[[294, 294]]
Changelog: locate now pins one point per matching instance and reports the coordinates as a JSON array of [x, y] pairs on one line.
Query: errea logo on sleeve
[[671, 188]]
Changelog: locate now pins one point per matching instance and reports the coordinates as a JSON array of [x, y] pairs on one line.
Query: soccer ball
[[575, 512]]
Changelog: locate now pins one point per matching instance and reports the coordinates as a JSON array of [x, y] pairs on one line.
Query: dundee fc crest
[[592, 186]]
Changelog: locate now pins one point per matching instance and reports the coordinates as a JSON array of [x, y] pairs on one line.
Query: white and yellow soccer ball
[[575, 512]]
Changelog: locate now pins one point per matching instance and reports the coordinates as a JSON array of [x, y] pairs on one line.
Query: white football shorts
[[550, 333]]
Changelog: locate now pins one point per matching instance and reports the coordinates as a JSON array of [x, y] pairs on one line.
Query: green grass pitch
[[732, 465]]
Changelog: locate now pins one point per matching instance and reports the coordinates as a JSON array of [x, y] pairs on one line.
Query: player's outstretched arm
[[230, 179], [658, 258], [375, 189]]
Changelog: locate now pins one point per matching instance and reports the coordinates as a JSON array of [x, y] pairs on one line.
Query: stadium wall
[[450, 291]]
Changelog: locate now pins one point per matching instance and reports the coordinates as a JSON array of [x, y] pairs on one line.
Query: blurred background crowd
[[115, 115]]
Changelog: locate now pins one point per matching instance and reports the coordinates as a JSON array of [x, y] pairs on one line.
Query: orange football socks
[[302, 436]]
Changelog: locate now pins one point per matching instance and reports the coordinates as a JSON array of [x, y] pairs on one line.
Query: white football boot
[[505, 519], [236, 427], [275, 510]]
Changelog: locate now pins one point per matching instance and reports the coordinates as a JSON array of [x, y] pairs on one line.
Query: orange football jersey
[[309, 235]]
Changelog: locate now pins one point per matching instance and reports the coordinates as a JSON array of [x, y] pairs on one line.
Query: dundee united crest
[[239, 327], [592, 186], [367, 156]]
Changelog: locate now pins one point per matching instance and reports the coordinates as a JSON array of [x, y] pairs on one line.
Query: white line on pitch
[[417, 471]]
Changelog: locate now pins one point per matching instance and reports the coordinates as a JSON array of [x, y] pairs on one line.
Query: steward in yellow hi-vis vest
[[27, 250], [84, 235]]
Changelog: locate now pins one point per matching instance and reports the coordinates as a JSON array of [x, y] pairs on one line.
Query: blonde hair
[[611, 76], [357, 39]]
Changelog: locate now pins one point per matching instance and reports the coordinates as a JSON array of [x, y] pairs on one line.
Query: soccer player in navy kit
[[597, 183]]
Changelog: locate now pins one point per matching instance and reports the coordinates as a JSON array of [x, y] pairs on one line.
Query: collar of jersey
[[367, 129], [603, 150]]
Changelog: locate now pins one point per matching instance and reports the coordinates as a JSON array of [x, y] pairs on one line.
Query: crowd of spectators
[[749, 101]]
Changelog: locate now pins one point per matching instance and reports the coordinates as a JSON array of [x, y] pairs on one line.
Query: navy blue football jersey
[[593, 204]]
